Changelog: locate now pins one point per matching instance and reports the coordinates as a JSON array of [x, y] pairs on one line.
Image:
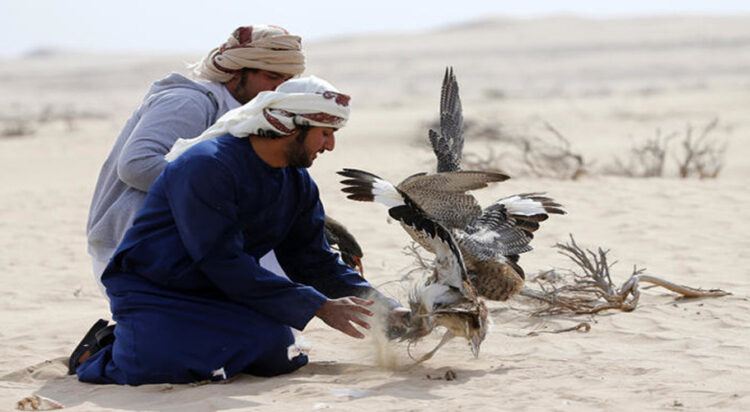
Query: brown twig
[[581, 327]]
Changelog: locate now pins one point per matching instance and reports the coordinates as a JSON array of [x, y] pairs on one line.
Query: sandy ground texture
[[604, 85]]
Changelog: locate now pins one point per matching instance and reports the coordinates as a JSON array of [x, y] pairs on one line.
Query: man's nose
[[330, 143]]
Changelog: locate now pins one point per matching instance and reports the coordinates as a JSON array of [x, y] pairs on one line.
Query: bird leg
[[446, 337]]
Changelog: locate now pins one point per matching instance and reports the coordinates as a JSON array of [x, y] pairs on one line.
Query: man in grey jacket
[[253, 59]]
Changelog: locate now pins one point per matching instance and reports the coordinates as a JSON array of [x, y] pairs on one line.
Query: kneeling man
[[190, 299]]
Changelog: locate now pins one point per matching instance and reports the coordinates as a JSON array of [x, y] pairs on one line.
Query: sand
[[603, 84]]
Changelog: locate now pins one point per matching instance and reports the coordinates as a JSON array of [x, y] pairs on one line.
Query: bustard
[[447, 298]]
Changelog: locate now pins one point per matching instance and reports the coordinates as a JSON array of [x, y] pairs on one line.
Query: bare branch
[[703, 156], [645, 159], [570, 292]]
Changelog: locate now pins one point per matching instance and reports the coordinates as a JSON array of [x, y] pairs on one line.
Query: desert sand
[[601, 83]]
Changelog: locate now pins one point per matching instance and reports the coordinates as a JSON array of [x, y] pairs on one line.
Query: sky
[[199, 25]]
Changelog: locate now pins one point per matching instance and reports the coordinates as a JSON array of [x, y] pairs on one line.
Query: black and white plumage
[[448, 297], [490, 239]]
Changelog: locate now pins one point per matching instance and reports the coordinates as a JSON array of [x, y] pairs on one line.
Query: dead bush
[[589, 288], [17, 128], [697, 155], [701, 156], [552, 156], [645, 159]]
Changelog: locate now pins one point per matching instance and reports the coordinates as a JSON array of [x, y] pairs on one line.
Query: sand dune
[[603, 83]]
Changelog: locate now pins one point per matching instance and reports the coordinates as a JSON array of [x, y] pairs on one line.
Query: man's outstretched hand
[[340, 313]]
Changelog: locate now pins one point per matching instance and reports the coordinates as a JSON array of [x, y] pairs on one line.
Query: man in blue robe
[[190, 299]]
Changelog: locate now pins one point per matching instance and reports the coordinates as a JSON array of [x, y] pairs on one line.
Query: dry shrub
[[646, 158], [547, 155], [589, 289], [701, 156], [17, 128], [552, 156], [23, 121], [69, 116], [697, 155]]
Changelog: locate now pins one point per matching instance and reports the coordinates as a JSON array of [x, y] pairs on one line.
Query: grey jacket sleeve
[[165, 118]]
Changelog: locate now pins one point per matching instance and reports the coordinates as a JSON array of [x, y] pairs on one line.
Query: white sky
[[199, 25]]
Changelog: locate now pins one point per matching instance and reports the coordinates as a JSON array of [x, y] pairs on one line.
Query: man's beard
[[239, 92], [297, 155]]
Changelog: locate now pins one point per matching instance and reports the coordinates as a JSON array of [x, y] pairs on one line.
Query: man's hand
[[339, 313]]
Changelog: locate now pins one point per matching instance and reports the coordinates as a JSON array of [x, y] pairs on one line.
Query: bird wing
[[485, 240], [443, 195], [526, 210], [449, 263], [365, 186], [448, 145], [506, 227]]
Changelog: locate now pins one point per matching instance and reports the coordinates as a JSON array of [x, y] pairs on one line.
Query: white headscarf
[[263, 47], [305, 101]]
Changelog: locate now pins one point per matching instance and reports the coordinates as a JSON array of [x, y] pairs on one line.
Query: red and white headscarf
[[263, 47], [309, 101]]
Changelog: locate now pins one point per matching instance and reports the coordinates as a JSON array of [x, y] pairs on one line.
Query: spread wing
[[365, 186], [506, 227], [443, 195], [448, 145]]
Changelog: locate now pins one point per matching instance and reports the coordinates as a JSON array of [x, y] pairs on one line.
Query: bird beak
[[475, 342]]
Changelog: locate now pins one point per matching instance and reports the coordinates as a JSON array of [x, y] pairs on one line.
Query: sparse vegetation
[[591, 290], [646, 158], [17, 128], [698, 155], [552, 157], [586, 290], [22, 123], [701, 156], [547, 155]]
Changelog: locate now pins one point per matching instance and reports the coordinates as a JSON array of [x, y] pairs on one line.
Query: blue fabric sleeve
[[306, 257], [202, 197], [166, 117]]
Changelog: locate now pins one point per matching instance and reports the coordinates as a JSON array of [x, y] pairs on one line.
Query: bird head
[[477, 328]]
